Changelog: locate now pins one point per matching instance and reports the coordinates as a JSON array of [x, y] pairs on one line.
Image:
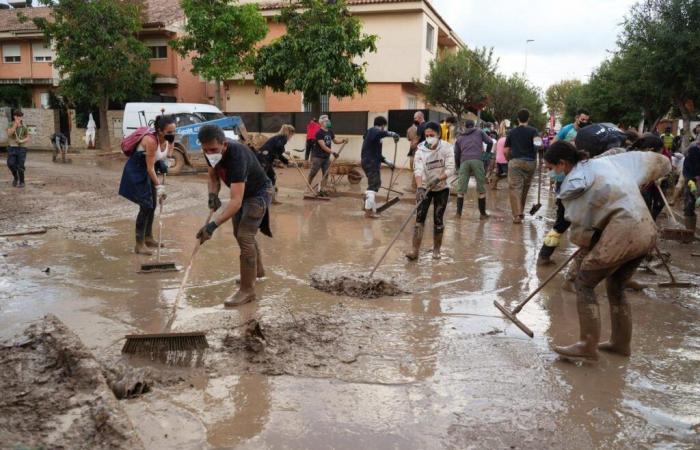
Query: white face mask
[[213, 158], [431, 141]]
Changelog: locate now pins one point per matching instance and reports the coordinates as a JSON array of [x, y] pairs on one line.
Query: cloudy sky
[[571, 38]]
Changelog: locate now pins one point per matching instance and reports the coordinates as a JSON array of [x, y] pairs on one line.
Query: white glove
[[160, 191]]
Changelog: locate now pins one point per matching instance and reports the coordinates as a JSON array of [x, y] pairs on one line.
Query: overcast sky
[[571, 38]]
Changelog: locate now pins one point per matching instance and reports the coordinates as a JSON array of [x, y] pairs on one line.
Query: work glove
[[336, 155], [206, 232], [421, 194], [692, 186], [214, 202], [160, 192], [552, 239], [433, 182], [390, 165], [395, 136]]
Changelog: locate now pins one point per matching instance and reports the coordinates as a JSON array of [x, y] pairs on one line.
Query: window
[[325, 104], [412, 102], [159, 52], [10, 53], [41, 53], [44, 98], [430, 38]]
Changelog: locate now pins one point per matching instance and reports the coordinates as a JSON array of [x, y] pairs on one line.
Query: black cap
[[469, 123], [433, 126]]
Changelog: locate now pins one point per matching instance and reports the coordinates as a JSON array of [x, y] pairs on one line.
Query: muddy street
[[435, 367]]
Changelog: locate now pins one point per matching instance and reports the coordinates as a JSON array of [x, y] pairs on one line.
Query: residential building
[[411, 33]]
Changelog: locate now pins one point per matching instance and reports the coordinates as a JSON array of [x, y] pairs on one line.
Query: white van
[[143, 114]]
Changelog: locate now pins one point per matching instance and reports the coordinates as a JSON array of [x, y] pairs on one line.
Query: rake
[[171, 348], [511, 315]]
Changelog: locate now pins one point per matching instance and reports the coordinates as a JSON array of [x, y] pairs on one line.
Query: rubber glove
[[421, 194], [552, 239], [206, 232], [214, 202], [692, 186]]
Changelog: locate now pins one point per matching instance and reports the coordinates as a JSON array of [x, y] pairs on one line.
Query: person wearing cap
[[372, 159], [468, 160], [434, 163], [322, 151], [18, 136]]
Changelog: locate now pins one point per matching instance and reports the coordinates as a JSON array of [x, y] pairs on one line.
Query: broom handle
[[668, 269], [184, 279], [391, 180], [160, 226], [303, 177], [328, 172], [539, 178], [544, 283], [393, 241], [673, 215]]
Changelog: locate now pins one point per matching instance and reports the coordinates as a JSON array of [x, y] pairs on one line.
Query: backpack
[[131, 142]]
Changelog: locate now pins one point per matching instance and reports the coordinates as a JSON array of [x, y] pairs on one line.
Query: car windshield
[[184, 119], [211, 115]]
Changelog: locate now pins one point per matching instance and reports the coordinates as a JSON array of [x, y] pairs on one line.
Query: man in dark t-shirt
[[372, 159], [250, 194], [322, 151], [522, 157]]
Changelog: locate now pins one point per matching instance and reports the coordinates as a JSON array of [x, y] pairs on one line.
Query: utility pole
[[526, 48]]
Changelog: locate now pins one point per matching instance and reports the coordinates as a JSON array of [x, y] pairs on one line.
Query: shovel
[[673, 283], [536, 207], [511, 315]]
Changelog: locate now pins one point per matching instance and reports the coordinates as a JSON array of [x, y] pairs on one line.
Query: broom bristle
[[169, 348], [678, 234]]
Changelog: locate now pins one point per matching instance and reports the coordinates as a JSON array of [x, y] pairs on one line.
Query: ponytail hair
[[286, 130], [564, 151], [163, 121]]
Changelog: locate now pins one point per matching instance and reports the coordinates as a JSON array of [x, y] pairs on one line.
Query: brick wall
[[42, 123]]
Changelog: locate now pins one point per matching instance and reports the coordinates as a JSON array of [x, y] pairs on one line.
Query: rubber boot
[[545, 255], [460, 206], [141, 248], [417, 239], [620, 330], [589, 324], [482, 209], [691, 223], [15, 177], [437, 244], [246, 292], [20, 172], [152, 243]]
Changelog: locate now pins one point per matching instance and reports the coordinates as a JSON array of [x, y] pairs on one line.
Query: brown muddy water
[[438, 367]]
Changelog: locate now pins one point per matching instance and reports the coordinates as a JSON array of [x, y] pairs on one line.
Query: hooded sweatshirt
[[469, 145], [431, 164]]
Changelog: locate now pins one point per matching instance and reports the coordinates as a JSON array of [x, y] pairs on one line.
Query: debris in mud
[[344, 280], [54, 394], [254, 337], [126, 381]]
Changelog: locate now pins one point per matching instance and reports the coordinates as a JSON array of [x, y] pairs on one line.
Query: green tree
[[574, 100], [460, 82], [662, 34], [508, 95], [98, 54], [556, 95], [317, 54], [15, 95], [221, 36]]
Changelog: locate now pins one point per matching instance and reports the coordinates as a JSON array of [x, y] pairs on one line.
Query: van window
[[184, 119], [211, 115]]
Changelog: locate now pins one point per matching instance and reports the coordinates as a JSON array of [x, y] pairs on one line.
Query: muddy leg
[[245, 227], [620, 310]]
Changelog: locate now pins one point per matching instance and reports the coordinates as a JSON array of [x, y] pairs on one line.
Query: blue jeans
[[16, 156]]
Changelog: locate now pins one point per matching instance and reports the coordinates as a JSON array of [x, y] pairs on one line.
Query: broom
[[678, 233], [673, 283], [313, 195], [159, 266], [168, 346]]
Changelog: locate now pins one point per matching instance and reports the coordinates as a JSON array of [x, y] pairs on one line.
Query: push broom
[[159, 266], [673, 283], [168, 346], [309, 197], [678, 233], [511, 315]]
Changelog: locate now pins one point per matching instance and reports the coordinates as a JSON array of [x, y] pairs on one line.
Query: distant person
[[500, 168], [522, 157], [273, 150], [322, 151], [415, 135], [372, 159], [691, 172], [17, 137], [311, 130], [140, 183], [59, 142], [568, 133], [667, 138], [468, 151], [447, 129]]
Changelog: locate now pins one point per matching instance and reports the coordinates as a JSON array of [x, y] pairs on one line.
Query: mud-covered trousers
[[439, 199], [144, 219], [246, 223], [689, 203]]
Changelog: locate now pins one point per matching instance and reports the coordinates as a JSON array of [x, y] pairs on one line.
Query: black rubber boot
[[437, 245], [20, 172], [482, 208], [460, 206], [15, 177], [544, 258]]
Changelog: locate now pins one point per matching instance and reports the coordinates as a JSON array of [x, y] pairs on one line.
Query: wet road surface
[[436, 368]]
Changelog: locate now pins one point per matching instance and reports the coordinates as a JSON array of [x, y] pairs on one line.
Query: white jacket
[[429, 164]]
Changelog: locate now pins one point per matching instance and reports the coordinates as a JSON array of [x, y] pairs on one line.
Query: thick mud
[[436, 366], [346, 280], [54, 394]]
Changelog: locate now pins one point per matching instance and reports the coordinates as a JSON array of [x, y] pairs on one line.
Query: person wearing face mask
[[434, 164], [603, 203], [415, 135], [140, 182], [273, 150], [568, 132], [250, 196], [372, 159], [322, 151]]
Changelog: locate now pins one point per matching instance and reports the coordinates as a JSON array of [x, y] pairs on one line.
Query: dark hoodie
[[469, 145]]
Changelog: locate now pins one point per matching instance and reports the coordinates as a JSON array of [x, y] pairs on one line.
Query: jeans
[[317, 164], [374, 178], [440, 199], [144, 220], [246, 223], [16, 156], [309, 146]]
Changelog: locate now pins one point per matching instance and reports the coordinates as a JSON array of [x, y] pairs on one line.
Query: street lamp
[[526, 46]]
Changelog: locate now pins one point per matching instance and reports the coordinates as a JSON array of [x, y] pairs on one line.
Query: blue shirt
[[567, 133]]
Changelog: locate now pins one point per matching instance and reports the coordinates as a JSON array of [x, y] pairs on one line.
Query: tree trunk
[[686, 123], [219, 97], [316, 108], [103, 130]]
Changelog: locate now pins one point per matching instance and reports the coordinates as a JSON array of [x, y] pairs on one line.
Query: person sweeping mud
[[468, 160], [140, 182], [236, 166], [322, 151], [603, 203], [273, 150], [434, 164], [372, 159]]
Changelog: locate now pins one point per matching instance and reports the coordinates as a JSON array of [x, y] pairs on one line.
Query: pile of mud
[[54, 394], [345, 280]]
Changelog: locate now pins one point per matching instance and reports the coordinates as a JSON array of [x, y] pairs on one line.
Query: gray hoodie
[[469, 145]]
